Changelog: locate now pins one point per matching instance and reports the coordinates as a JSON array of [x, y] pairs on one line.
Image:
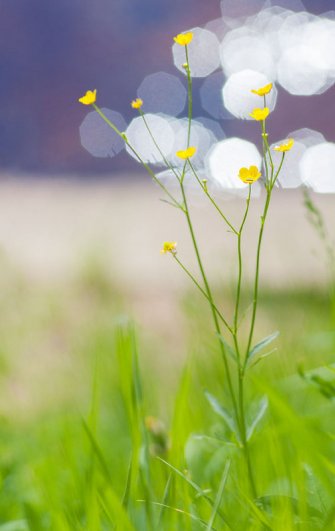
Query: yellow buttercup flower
[[263, 91], [186, 153], [169, 247], [137, 104], [183, 38], [285, 146], [260, 114], [249, 175], [89, 98]]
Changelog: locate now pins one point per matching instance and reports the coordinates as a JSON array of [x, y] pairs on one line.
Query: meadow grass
[[100, 439]]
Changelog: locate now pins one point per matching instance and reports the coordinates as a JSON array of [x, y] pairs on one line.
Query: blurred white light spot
[[98, 138], [290, 175], [203, 53], [141, 140], [227, 157], [317, 168], [201, 137], [307, 136], [299, 71], [237, 95], [294, 48], [213, 126], [211, 97], [162, 92], [246, 52]]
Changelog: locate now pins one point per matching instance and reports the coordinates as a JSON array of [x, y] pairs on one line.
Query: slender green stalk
[[243, 433], [239, 253], [195, 245], [190, 97], [256, 282], [205, 190], [144, 164], [210, 299], [267, 150], [168, 164], [242, 423], [273, 182], [196, 283]]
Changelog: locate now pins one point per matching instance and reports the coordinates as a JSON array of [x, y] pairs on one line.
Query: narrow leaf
[[221, 411], [266, 341], [256, 359], [263, 405], [197, 488], [218, 497], [228, 348]]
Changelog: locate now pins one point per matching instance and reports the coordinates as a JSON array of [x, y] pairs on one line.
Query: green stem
[[244, 433], [239, 253], [210, 299], [168, 164], [144, 164], [256, 283], [189, 274], [204, 188], [190, 97], [242, 424], [273, 182], [195, 245]]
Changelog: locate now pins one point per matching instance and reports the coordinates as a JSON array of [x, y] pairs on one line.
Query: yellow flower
[[263, 91], [137, 104], [260, 114], [169, 247], [249, 175], [89, 98], [285, 146], [186, 153], [183, 38]]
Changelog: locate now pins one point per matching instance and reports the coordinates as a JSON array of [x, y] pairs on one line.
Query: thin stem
[[266, 151], [195, 245], [190, 97], [242, 423], [239, 253], [244, 433], [196, 283], [210, 299], [205, 190], [256, 283], [273, 182], [168, 164], [144, 164], [267, 144]]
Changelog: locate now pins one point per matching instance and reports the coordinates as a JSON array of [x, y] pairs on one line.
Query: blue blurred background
[[53, 51]]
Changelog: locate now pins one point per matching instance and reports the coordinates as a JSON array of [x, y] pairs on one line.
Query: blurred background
[[77, 230], [52, 52], [83, 286]]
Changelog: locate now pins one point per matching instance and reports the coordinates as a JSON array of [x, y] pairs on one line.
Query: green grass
[[79, 381]]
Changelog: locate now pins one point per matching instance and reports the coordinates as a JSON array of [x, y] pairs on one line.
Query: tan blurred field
[[48, 226]]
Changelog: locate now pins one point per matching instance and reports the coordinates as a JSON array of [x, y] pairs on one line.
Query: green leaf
[[259, 346], [263, 405], [218, 497], [228, 348], [222, 412], [203, 494], [257, 359]]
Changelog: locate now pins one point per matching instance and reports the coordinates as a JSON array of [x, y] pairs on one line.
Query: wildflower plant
[[238, 353]]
